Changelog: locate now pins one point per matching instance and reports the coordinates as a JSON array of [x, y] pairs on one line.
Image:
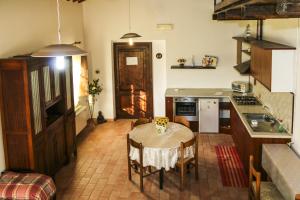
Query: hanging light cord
[[129, 15], [58, 22]]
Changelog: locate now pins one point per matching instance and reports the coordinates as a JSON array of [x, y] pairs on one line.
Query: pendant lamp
[[59, 50], [130, 35]]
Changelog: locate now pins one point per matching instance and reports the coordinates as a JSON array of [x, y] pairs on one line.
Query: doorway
[[133, 80]]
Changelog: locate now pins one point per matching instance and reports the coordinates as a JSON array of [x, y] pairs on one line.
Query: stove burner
[[246, 100]]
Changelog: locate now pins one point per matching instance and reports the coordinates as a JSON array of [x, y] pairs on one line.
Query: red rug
[[231, 167]]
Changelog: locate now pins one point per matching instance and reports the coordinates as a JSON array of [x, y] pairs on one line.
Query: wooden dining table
[[161, 150]]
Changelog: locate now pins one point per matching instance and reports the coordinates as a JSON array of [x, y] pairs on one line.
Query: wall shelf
[[248, 40], [246, 52], [264, 44], [191, 67], [243, 68]]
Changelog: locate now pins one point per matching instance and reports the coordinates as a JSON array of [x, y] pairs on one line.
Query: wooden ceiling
[[255, 9], [78, 1]]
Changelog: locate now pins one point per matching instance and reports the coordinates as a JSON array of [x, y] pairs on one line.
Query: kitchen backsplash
[[280, 104]]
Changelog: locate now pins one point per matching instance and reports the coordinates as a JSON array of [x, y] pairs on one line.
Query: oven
[[187, 107]]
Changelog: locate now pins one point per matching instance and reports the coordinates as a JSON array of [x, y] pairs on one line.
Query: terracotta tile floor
[[100, 171]]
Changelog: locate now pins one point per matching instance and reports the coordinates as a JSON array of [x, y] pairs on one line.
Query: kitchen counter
[[227, 93]]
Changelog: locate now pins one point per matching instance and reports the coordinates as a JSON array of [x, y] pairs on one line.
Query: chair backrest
[[140, 121], [182, 120], [139, 146], [192, 142], [253, 173]]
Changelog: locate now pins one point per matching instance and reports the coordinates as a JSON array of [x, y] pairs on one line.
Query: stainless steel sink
[[262, 122]]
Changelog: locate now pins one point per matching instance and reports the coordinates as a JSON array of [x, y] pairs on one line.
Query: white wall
[[195, 33], [27, 25]]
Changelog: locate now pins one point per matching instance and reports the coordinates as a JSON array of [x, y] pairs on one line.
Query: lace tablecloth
[[161, 150]]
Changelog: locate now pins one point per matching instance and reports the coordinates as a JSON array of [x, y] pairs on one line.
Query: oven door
[[187, 109]]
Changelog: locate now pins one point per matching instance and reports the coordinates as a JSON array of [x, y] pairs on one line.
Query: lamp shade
[[56, 50], [130, 35]]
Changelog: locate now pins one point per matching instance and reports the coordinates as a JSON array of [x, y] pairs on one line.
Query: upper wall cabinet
[[255, 9], [272, 64]]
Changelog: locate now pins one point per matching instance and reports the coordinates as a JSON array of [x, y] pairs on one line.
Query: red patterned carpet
[[231, 168]]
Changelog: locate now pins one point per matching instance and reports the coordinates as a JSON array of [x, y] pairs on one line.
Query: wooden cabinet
[[169, 108], [273, 65], [224, 116], [35, 115], [246, 145], [56, 146], [70, 137]]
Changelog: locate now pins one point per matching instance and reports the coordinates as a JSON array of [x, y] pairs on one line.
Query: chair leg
[[129, 170], [188, 167], [182, 171], [196, 170], [141, 180]]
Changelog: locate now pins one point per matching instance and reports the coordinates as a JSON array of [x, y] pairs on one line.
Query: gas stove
[[246, 100]]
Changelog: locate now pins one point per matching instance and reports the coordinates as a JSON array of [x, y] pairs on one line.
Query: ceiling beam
[[78, 1]]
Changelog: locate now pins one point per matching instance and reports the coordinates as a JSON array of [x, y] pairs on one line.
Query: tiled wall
[[280, 104]]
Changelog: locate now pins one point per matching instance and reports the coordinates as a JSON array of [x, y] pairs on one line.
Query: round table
[[161, 150]]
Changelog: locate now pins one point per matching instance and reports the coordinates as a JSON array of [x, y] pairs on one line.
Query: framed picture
[[210, 61]]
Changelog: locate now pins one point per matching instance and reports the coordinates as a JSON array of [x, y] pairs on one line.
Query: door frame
[[116, 46]]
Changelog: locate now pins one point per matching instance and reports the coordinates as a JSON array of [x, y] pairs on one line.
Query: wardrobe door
[[57, 82], [69, 85], [36, 102], [47, 84]]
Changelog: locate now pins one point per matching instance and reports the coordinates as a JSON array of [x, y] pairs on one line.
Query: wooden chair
[[260, 190], [137, 166], [140, 121], [182, 120], [184, 163]]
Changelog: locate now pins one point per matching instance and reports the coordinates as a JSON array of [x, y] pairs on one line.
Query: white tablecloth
[[161, 150]]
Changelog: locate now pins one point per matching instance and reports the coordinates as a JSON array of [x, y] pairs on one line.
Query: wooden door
[[133, 80]]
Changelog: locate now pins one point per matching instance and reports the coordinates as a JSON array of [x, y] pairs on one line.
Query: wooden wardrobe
[[37, 114]]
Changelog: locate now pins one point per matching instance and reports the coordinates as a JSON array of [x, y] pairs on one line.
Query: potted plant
[[94, 89]]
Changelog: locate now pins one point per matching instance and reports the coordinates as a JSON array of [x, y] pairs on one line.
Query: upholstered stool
[[261, 190], [267, 191], [29, 186]]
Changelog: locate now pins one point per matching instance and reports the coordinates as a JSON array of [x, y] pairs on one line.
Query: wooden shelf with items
[[191, 67], [266, 63], [254, 10], [243, 67]]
